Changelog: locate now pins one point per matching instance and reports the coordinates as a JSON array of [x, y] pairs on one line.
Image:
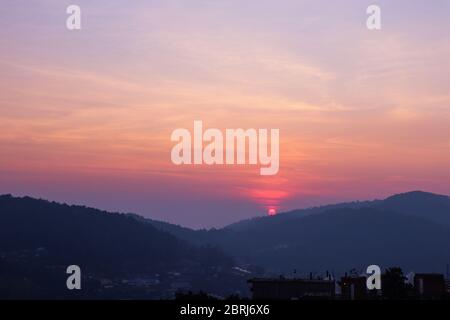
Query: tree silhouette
[[393, 284]]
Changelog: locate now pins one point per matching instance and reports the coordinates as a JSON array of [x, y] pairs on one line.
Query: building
[[291, 289], [429, 285], [353, 288]]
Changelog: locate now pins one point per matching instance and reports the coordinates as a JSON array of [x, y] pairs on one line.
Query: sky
[[86, 115]]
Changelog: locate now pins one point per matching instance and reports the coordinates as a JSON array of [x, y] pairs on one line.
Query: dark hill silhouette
[[411, 230], [425, 205], [197, 237], [342, 239], [102, 240], [39, 239], [298, 213]]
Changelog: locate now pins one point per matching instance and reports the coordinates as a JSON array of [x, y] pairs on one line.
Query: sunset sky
[[86, 116]]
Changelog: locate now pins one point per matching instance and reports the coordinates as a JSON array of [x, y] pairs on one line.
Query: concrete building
[[353, 288], [429, 285]]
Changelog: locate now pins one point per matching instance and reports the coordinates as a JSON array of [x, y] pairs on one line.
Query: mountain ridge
[[418, 224], [303, 239], [39, 239]]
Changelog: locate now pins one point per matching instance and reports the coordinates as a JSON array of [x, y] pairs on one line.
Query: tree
[[393, 284]]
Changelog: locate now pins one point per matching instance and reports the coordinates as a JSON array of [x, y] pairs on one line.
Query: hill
[[411, 230], [39, 239]]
